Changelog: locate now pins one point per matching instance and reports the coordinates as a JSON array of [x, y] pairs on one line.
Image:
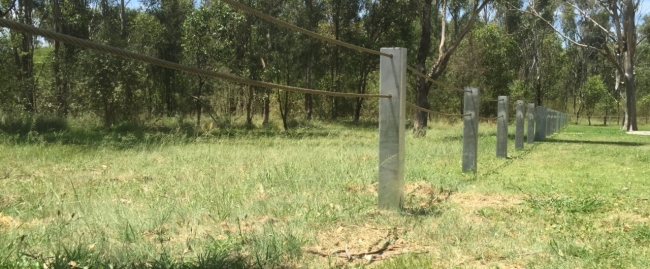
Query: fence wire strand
[[414, 106], [171, 65], [420, 74], [271, 19]]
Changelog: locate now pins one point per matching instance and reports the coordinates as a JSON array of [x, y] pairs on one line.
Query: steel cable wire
[[148, 59], [271, 19]]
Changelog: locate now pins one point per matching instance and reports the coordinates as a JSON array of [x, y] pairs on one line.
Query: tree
[[446, 48], [624, 42], [591, 94]]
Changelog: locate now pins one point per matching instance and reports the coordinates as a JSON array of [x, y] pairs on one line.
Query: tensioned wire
[[148, 59], [277, 21], [268, 18]]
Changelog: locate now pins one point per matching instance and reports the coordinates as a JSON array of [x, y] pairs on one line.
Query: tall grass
[[174, 197]]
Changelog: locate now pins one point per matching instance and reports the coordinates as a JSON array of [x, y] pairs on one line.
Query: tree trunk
[[249, 107], [363, 83], [122, 20], [266, 100], [198, 103], [335, 67], [25, 57], [629, 27], [60, 91], [422, 86], [445, 51], [309, 100], [284, 110]]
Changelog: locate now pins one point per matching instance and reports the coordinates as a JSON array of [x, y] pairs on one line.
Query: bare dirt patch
[[625, 219], [361, 244], [6, 222], [423, 194], [473, 201]]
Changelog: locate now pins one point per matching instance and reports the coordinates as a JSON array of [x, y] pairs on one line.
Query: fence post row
[[531, 124], [502, 127], [519, 125], [392, 120], [554, 123], [470, 129]]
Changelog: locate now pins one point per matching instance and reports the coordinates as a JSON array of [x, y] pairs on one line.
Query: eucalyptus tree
[[71, 17], [171, 15], [464, 14], [619, 50], [312, 15], [9, 97], [210, 39], [23, 51], [109, 85], [384, 23]]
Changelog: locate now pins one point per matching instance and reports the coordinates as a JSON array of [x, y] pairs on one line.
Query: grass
[[75, 197]]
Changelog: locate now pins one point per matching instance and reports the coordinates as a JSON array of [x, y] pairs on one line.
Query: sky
[[644, 8]]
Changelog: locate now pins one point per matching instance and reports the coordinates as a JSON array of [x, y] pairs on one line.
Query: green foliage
[[568, 205], [592, 93]]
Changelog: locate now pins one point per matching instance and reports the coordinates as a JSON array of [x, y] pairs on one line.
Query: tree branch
[[443, 59], [534, 13], [441, 48], [610, 57], [13, 5], [585, 15]]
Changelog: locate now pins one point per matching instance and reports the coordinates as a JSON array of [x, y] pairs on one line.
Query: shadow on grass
[[41, 130], [591, 142], [423, 211], [510, 160]]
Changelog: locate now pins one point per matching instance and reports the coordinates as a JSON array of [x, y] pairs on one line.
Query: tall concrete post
[[540, 127], [530, 138], [502, 127], [547, 127], [551, 115], [470, 129], [392, 120], [519, 125]]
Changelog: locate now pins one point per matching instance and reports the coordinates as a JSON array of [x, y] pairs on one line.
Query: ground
[[263, 199]]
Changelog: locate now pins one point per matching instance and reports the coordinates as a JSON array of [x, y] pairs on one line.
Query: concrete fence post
[[551, 122], [470, 129], [540, 127], [548, 126], [392, 120], [502, 127], [531, 124], [519, 126]]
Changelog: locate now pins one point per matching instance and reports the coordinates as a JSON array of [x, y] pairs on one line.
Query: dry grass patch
[[473, 201], [6, 222]]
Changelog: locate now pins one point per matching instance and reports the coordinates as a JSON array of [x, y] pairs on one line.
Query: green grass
[[235, 198]]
